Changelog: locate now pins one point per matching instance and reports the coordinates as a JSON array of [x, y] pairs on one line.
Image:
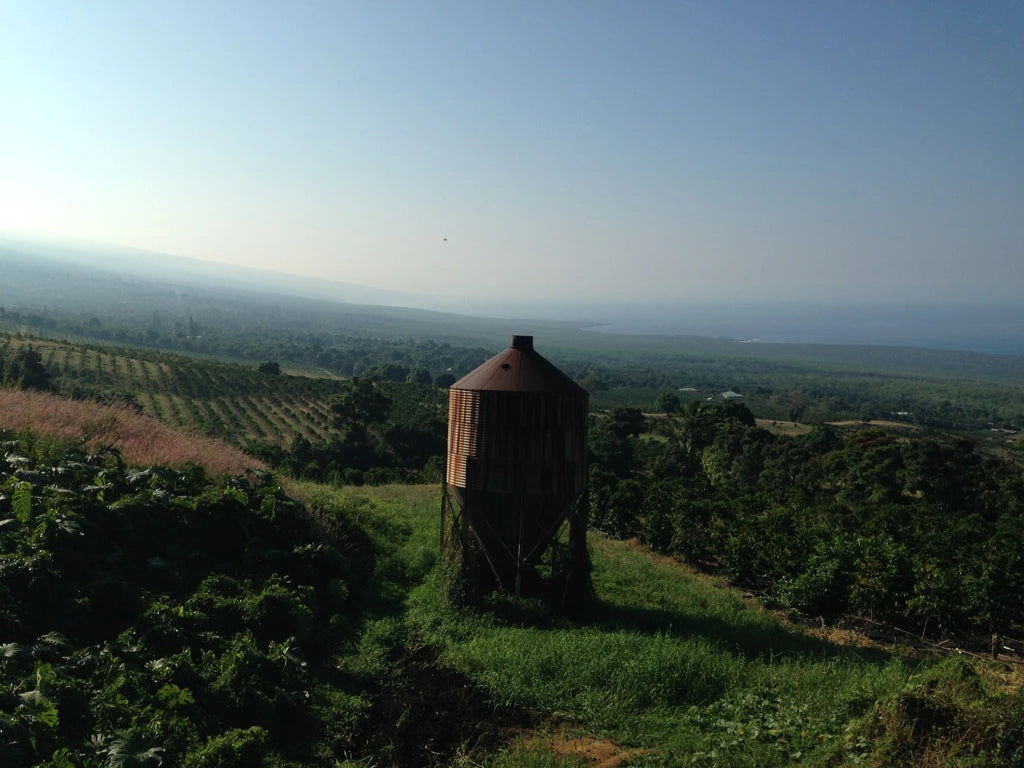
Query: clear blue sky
[[584, 150]]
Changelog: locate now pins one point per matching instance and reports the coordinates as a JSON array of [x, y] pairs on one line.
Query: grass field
[[883, 423], [669, 668], [785, 428]]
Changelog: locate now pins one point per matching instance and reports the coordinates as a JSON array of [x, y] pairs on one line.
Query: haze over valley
[[50, 274]]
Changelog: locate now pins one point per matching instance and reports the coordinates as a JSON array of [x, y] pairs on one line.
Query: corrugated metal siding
[[463, 432], [517, 442], [517, 456]]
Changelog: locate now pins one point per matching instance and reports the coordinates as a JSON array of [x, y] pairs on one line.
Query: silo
[[516, 474]]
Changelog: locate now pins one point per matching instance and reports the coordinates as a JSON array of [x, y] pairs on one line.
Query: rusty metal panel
[[517, 455], [522, 442], [519, 369], [526, 439], [463, 433]]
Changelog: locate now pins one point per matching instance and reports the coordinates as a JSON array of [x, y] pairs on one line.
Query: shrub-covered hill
[[152, 615], [920, 530]]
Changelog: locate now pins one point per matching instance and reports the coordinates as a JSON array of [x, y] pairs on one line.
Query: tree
[[361, 403], [797, 403], [270, 367], [27, 370], [696, 427], [625, 503], [667, 402], [419, 375], [392, 372], [612, 441], [444, 380], [734, 410], [301, 450], [626, 422]]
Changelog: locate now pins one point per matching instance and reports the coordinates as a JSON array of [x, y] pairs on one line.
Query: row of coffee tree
[[925, 531]]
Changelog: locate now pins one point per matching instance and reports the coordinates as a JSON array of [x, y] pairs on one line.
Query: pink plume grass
[[141, 439]]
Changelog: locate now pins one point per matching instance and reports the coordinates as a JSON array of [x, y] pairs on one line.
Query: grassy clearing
[[669, 668], [883, 423], [784, 428], [679, 667]]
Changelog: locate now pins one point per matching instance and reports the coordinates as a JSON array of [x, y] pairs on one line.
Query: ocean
[[992, 329]]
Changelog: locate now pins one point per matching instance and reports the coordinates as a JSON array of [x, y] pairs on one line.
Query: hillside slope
[[668, 668], [140, 439], [150, 615], [211, 397]]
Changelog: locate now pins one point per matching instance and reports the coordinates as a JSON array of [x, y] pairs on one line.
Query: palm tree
[[695, 427]]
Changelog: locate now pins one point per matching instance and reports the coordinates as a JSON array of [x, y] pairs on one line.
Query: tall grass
[[675, 668], [670, 662], [141, 439]]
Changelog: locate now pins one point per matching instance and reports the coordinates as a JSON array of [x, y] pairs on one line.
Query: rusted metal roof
[[519, 369]]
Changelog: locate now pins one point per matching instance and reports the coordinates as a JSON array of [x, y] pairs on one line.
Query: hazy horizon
[[980, 327], [529, 152]]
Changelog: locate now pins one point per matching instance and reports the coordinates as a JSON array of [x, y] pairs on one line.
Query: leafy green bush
[[151, 615], [237, 748]]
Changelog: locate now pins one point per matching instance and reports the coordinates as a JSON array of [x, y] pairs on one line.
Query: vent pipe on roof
[[522, 343]]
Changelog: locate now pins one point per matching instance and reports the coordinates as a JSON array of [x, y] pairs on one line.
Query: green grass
[[675, 665], [667, 663]]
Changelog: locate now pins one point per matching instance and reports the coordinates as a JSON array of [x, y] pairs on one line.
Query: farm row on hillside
[[228, 400], [302, 425]]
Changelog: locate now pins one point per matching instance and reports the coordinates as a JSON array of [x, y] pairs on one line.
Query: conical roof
[[519, 369]]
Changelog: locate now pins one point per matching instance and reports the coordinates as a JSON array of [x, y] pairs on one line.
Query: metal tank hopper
[[515, 496]]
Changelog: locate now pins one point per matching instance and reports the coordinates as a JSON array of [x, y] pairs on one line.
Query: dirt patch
[[595, 753], [1012, 677], [427, 714], [424, 714], [847, 637]]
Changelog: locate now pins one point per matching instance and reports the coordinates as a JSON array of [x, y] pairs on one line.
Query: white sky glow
[[587, 151]]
